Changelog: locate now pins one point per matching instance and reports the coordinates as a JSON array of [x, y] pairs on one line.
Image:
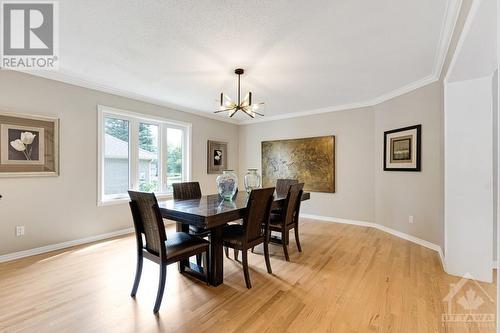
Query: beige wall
[[419, 194], [354, 158], [364, 191], [395, 195], [63, 208]]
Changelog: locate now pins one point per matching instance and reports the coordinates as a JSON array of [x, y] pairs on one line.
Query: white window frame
[[134, 118]]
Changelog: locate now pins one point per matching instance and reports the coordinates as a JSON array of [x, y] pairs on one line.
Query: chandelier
[[245, 105]]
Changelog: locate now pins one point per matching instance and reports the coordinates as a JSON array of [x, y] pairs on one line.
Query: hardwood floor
[[348, 279]]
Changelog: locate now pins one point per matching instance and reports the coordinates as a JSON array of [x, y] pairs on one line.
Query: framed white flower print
[[29, 145], [22, 145], [216, 156]]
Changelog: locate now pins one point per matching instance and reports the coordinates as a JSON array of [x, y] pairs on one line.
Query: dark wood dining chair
[[288, 218], [254, 229], [188, 191], [283, 185], [148, 223]]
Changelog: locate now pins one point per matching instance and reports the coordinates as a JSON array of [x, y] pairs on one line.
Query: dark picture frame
[[216, 156], [402, 149]]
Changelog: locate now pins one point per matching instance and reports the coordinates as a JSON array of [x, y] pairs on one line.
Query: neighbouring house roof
[[116, 148]]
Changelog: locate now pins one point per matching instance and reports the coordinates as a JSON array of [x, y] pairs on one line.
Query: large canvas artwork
[[310, 160], [29, 146]]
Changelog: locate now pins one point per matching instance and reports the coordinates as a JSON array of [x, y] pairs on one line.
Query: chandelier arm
[[232, 114], [218, 111], [248, 113]]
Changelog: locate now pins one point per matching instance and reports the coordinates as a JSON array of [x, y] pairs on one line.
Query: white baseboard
[[383, 228], [59, 246], [338, 220]]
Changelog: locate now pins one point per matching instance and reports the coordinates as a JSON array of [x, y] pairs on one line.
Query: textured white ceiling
[[298, 55]]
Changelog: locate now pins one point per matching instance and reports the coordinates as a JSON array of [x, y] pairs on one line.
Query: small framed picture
[[402, 149], [29, 145], [216, 156]]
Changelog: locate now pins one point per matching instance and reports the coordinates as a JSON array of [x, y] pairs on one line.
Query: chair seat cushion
[[180, 243], [198, 231], [233, 233], [275, 219]]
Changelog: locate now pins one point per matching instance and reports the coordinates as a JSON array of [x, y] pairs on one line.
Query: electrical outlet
[[410, 219], [20, 230]]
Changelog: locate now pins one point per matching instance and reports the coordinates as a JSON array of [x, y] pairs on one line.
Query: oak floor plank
[[348, 279]]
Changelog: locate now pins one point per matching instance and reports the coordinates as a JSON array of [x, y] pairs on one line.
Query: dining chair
[[254, 229], [288, 218], [188, 191], [148, 223], [282, 186]]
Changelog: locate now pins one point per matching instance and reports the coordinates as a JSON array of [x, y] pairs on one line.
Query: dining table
[[211, 212]]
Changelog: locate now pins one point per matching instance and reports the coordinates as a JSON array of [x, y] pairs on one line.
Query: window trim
[[134, 119]]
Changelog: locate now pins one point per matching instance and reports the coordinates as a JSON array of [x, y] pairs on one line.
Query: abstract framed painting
[[29, 145], [309, 160], [216, 156], [402, 149]]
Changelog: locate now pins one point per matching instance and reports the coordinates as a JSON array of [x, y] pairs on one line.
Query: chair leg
[[266, 255], [296, 229], [138, 272], [235, 254], [284, 240], [245, 268], [205, 263], [161, 287], [252, 248], [198, 259], [226, 249]]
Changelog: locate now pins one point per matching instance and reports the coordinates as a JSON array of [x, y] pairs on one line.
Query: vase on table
[[227, 184], [252, 180]]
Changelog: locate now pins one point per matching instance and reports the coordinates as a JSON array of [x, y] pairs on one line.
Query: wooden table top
[[211, 210]]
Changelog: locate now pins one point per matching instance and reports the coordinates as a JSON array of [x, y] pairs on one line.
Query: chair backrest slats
[[149, 221], [292, 203], [187, 190], [283, 185], [257, 213]]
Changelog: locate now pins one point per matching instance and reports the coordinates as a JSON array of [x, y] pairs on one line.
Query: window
[[116, 156], [148, 158], [139, 152], [174, 157]]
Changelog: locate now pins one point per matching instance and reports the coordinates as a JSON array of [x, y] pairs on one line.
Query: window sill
[[124, 200]]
